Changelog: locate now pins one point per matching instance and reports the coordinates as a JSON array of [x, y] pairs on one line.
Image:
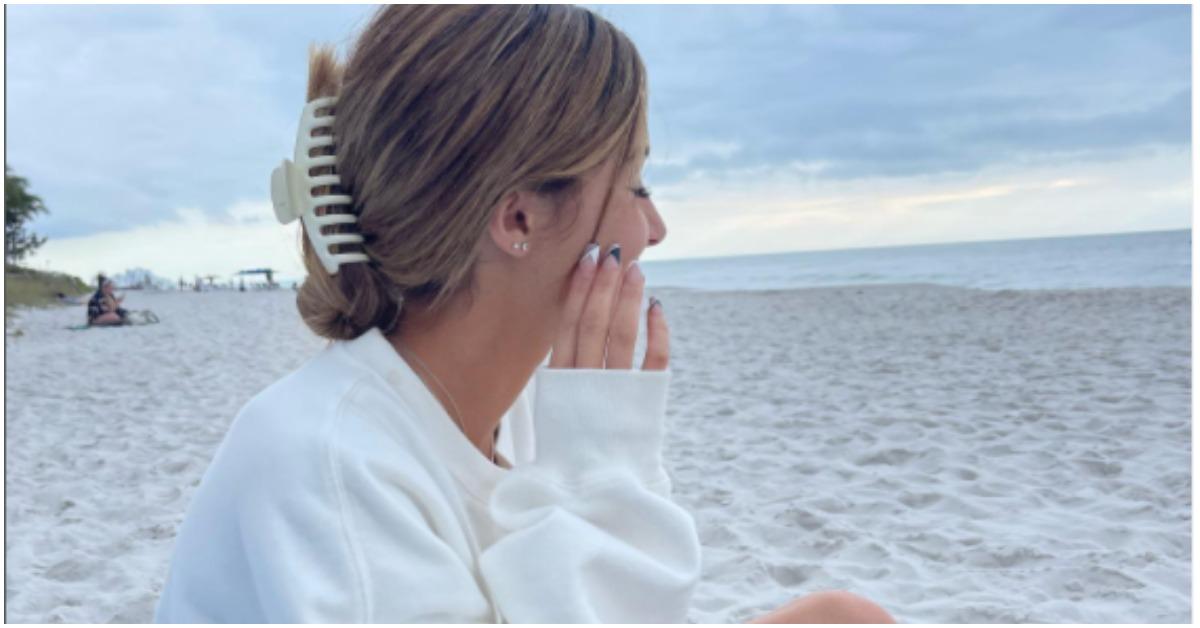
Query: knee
[[843, 607]]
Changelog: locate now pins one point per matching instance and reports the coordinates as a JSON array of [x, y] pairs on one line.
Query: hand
[[600, 319]]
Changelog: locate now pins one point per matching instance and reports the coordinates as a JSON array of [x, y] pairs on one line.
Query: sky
[[151, 131]]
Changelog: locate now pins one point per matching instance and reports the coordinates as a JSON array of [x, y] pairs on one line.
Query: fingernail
[[634, 270], [592, 252], [615, 251], [653, 302]]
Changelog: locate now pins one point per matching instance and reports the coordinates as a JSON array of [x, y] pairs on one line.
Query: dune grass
[[25, 287]]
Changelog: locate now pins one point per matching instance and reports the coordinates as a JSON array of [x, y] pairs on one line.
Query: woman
[[104, 308], [475, 444]]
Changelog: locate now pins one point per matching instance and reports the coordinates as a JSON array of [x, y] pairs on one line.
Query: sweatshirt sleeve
[[589, 532]]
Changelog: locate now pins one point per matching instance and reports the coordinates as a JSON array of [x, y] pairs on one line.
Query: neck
[[482, 355]]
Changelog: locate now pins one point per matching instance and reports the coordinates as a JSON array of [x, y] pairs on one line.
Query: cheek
[[634, 232]]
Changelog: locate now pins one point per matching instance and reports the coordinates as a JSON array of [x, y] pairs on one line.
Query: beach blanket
[[135, 318]]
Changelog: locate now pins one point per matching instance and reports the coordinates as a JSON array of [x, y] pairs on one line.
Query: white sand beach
[[955, 455]]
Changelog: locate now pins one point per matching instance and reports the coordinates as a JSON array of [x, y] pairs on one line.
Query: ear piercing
[[521, 246]]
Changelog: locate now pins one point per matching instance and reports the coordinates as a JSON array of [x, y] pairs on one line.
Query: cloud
[[683, 154], [118, 113], [921, 201], [911, 90], [789, 126], [776, 210], [188, 243]]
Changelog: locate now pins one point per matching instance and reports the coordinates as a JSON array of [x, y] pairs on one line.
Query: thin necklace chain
[[448, 396]]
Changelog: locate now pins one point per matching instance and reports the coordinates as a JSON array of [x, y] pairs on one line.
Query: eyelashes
[[641, 191]]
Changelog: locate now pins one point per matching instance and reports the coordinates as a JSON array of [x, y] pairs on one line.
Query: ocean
[[1152, 258]]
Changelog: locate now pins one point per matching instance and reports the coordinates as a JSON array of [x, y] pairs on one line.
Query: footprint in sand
[[997, 450], [1100, 468], [725, 455], [720, 496], [830, 505], [70, 570], [966, 474], [1112, 578], [820, 549], [891, 457], [867, 554], [919, 500], [156, 532], [868, 572], [1004, 557], [174, 467], [164, 494], [802, 518], [717, 535], [792, 575]]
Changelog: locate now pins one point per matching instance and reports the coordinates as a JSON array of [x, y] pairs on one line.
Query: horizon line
[[913, 245], [288, 277]]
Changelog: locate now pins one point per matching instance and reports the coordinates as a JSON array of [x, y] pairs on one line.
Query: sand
[[955, 455]]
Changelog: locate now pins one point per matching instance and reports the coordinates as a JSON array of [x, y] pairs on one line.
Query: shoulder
[[300, 403], [279, 432], [331, 418]]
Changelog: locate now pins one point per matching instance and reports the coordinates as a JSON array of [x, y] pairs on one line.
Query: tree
[[20, 206]]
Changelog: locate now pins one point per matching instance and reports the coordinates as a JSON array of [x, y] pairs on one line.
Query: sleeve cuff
[[600, 422]]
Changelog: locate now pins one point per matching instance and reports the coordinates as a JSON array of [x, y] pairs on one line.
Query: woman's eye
[[642, 191]]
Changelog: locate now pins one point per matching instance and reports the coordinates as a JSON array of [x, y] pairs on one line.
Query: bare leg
[[827, 607], [108, 318]]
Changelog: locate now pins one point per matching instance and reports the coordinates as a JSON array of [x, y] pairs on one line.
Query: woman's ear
[[512, 222]]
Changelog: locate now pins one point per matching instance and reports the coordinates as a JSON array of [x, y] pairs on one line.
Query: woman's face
[[108, 287], [631, 218]]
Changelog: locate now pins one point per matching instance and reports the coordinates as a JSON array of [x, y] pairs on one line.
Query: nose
[[657, 228]]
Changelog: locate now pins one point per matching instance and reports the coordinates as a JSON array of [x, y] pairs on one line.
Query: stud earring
[[521, 246]]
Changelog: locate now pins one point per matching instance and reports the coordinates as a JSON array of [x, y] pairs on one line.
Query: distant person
[[104, 308]]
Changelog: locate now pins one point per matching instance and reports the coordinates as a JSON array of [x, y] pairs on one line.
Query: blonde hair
[[441, 111]]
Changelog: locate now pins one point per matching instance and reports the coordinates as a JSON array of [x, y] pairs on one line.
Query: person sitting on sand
[[104, 308], [490, 215]]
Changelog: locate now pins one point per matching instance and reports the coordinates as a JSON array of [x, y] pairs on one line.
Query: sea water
[[1153, 258]]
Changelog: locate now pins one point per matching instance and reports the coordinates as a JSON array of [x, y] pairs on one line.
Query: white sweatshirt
[[345, 493]]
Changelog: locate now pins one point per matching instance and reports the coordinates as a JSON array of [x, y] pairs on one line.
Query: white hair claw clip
[[292, 186]]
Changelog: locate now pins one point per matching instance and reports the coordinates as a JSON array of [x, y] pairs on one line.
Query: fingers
[[622, 334], [657, 338], [600, 317], [563, 354], [598, 312]]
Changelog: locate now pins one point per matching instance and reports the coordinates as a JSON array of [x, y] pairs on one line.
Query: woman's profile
[[478, 442]]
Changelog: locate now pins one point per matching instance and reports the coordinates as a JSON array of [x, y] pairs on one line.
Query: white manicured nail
[[592, 251]]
